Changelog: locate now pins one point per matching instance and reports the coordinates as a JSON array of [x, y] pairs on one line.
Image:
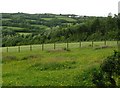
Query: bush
[[108, 74]]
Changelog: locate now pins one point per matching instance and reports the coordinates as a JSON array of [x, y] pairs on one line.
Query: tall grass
[[52, 67]]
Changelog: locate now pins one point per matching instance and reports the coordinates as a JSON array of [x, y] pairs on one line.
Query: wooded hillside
[[23, 28]]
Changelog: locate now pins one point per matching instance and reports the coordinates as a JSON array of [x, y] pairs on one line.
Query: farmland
[[52, 46], [50, 28], [57, 67], [57, 49]]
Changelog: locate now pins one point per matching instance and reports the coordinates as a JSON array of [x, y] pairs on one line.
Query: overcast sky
[[79, 7]]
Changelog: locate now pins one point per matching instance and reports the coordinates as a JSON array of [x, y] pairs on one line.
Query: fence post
[[118, 45], [30, 47], [7, 49], [92, 43], [42, 46], [117, 42], [67, 45], [80, 44], [54, 45], [105, 42], [18, 48]]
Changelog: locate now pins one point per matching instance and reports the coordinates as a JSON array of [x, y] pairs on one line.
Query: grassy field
[[63, 18], [13, 28], [67, 19], [6, 19], [40, 26], [21, 33], [57, 67]]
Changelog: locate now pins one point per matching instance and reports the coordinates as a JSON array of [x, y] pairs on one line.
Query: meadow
[[54, 67]]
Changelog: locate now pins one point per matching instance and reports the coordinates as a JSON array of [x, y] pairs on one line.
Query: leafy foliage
[[108, 74], [57, 29]]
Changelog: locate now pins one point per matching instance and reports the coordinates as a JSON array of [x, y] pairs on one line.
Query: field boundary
[[67, 45]]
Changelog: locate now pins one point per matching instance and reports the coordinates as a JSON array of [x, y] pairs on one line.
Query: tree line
[[83, 29]]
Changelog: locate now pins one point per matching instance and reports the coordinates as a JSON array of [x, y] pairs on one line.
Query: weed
[[9, 58], [66, 49], [54, 66], [29, 57]]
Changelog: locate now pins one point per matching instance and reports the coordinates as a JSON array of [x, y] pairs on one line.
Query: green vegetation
[[68, 19], [59, 46], [47, 19], [41, 26], [24, 33], [108, 74], [12, 28], [52, 67], [6, 19], [59, 49], [49, 28]]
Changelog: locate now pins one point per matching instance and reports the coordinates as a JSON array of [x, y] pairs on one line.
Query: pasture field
[[6, 19], [40, 26], [59, 67], [14, 28], [21, 33], [67, 19], [60, 17]]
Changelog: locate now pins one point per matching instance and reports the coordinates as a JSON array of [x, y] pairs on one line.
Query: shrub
[[109, 72]]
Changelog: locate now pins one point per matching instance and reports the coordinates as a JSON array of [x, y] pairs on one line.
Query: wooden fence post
[[118, 45], [18, 48], [80, 44], [30, 47], [42, 46], [117, 42], [92, 43], [54, 45], [7, 49], [105, 42], [67, 45]]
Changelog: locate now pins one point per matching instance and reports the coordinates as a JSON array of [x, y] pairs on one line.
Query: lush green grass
[[40, 26], [67, 19], [21, 33], [47, 19], [63, 18], [53, 67], [6, 19], [14, 28]]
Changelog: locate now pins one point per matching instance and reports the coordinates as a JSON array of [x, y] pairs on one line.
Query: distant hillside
[[22, 22], [39, 28]]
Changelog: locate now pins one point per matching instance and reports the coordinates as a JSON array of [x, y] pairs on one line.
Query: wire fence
[[67, 45]]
